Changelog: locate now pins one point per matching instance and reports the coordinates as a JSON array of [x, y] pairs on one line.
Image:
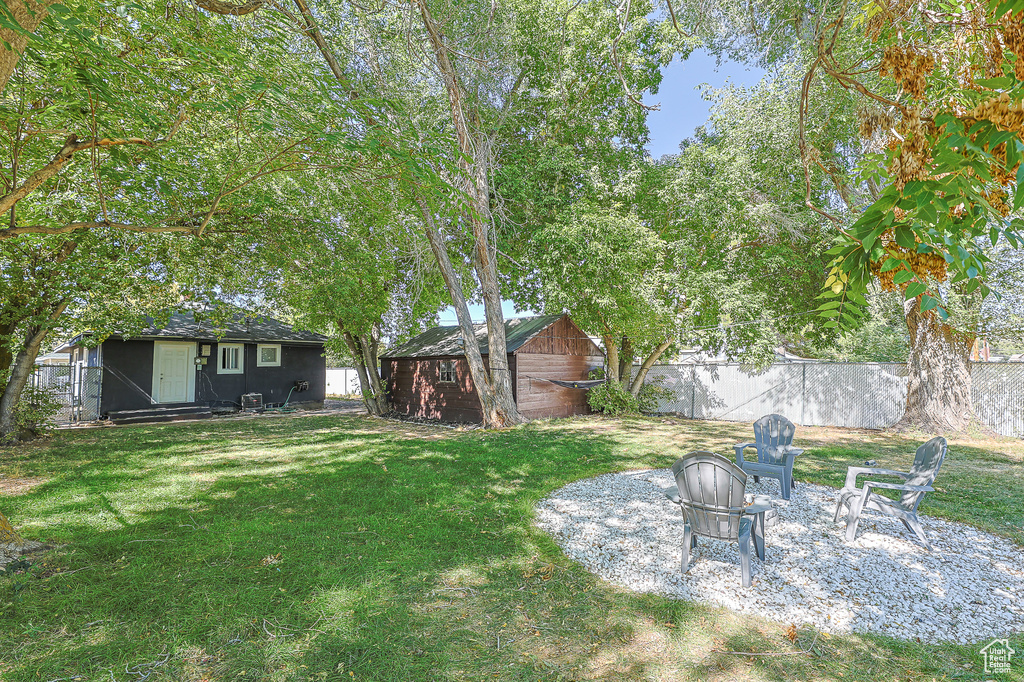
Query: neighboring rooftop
[[240, 328], [448, 340]]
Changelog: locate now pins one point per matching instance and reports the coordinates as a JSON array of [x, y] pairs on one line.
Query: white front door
[[174, 372]]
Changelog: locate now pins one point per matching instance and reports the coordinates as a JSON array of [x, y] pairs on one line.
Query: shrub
[[613, 399], [652, 393], [33, 415]]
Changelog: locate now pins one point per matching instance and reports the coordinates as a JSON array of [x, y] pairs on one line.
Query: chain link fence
[[75, 387], [853, 394], [997, 389]]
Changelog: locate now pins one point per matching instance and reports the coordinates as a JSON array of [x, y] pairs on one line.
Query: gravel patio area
[[621, 527]]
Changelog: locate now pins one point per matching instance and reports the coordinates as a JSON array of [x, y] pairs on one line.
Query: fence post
[[803, 396], [693, 389], [76, 393]]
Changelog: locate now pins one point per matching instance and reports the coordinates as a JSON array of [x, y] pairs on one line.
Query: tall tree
[[482, 64], [88, 218], [352, 265], [712, 247], [941, 87]]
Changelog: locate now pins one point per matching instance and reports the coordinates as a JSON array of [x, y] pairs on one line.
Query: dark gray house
[[190, 368]]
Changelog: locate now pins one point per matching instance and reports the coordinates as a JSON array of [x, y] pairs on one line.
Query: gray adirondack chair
[[709, 490], [916, 483], [773, 438]]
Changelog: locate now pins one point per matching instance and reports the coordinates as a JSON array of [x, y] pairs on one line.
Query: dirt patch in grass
[[19, 485]]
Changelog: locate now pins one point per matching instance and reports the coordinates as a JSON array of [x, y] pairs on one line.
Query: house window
[[268, 355], [447, 371], [231, 358]]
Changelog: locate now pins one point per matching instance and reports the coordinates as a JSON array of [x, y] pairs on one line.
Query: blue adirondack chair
[[709, 491], [773, 438], [916, 483]]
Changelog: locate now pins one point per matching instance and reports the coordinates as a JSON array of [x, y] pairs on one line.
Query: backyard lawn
[[335, 547]]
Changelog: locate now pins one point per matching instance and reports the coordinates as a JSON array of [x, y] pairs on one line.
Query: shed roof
[[239, 328], [447, 340]]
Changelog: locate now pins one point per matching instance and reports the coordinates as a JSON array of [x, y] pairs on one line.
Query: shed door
[[173, 372]]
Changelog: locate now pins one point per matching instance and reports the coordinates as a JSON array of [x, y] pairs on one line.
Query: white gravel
[[621, 527]]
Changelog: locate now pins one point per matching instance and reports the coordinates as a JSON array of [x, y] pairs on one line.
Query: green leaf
[[928, 214], [1018, 197], [905, 237], [869, 241], [1000, 83], [1012, 153], [891, 264], [903, 276], [915, 289], [927, 302]]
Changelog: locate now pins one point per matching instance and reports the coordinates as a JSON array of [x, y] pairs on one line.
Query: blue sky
[[682, 111], [682, 107]]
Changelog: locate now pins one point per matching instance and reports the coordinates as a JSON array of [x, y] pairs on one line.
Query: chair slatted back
[[927, 461], [711, 488], [770, 433]]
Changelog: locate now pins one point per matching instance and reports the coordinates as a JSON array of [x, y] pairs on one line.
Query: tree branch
[[230, 9], [71, 146], [11, 232]]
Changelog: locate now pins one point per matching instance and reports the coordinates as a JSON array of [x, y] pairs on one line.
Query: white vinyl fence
[[853, 394], [342, 381]]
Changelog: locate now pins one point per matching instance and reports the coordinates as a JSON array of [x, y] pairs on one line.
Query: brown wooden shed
[[428, 376]]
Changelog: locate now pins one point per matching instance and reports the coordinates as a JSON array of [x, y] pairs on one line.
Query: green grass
[[330, 548]]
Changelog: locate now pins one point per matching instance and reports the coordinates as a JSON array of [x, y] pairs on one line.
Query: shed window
[[447, 371], [268, 355], [231, 358]]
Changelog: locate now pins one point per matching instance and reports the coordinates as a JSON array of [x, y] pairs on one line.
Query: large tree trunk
[[611, 351], [492, 416], [499, 405], [9, 536], [939, 374], [364, 351], [626, 361], [21, 370], [506, 412], [638, 380], [28, 14]]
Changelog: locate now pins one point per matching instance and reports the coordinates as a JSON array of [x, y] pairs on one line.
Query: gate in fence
[[75, 387], [852, 394], [343, 381]]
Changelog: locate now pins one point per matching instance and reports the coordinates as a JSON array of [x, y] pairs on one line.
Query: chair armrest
[[788, 453], [739, 448], [853, 472], [897, 486], [672, 494], [758, 508]]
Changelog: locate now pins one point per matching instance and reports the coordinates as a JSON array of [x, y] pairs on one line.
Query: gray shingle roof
[[448, 340], [252, 330]]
